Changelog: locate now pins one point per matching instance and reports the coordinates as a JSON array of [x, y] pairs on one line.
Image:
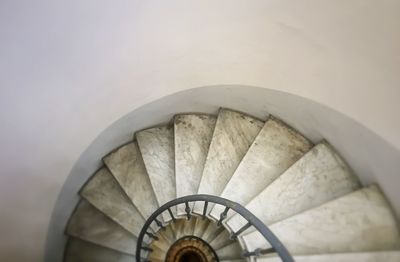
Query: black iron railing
[[252, 221]]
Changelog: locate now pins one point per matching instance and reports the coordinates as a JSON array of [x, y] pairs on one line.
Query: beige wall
[[69, 70]]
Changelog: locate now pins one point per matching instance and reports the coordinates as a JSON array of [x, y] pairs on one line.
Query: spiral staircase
[[306, 197]]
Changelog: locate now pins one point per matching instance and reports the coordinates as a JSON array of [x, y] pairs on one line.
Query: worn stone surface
[[222, 240], [103, 192], [87, 223], [273, 151], [233, 251], [200, 227], [126, 165], [233, 134], [319, 176], [82, 251], [383, 256], [360, 221], [193, 135], [157, 148]]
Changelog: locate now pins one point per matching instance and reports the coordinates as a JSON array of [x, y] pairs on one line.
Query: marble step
[[231, 252], [157, 148], [211, 232], [161, 243], [222, 240], [88, 223], [358, 222], [192, 134], [318, 177], [233, 134], [387, 256], [200, 227], [157, 254], [82, 251], [127, 166], [274, 150], [104, 192]]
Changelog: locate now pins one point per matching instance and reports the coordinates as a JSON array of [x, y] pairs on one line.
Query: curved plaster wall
[[374, 160], [69, 69]]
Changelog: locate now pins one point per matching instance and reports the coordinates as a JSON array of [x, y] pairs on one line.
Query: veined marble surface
[[103, 192], [383, 256], [82, 251], [357, 222], [318, 177], [157, 148], [233, 134], [126, 165], [274, 150], [193, 135], [87, 223]]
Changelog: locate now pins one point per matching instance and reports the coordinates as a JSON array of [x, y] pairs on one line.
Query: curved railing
[[276, 245]]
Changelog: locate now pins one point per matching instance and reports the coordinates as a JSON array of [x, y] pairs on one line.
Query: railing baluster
[[257, 252], [147, 248], [171, 214], [159, 224], [187, 210], [241, 230], [151, 235], [223, 216], [205, 209]]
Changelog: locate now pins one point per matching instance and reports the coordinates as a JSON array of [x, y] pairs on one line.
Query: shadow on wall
[[373, 159]]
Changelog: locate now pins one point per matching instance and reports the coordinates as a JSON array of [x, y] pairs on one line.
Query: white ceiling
[[69, 69]]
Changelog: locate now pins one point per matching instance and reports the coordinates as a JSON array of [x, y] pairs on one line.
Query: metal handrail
[[252, 220]]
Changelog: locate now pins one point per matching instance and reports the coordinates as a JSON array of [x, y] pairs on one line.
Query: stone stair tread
[[200, 227], [233, 134], [104, 192], [357, 222], [157, 149], [387, 256], [82, 251], [318, 177], [211, 232], [88, 223], [222, 240], [274, 150], [127, 166], [157, 254], [192, 134], [231, 252]]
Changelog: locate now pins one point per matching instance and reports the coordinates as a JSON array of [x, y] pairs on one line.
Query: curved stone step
[[104, 192], [157, 148], [387, 256], [318, 177], [233, 134], [192, 135], [274, 150], [82, 251], [157, 254], [231, 252], [222, 240], [357, 222], [127, 166], [211, 232], [87, 223], [201, 226]]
